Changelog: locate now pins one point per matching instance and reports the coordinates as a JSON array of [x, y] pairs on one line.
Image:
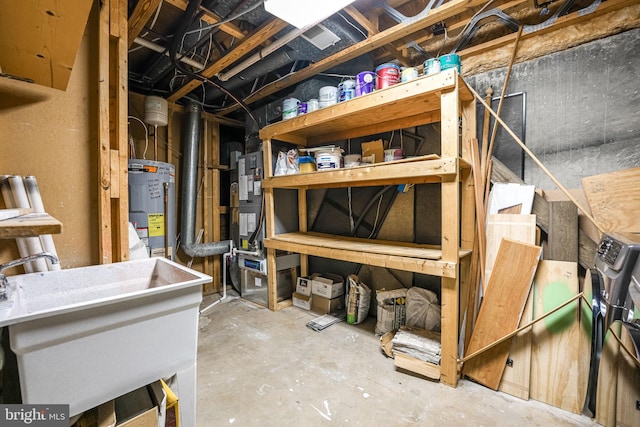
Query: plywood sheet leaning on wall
[[627, 412], [522, 228], [556, 353], [615, 199], [501, 310], [607, 393]]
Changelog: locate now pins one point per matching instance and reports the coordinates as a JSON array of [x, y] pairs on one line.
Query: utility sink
[[87, 335]]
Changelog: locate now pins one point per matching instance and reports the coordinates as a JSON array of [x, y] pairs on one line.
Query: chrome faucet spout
[[4, 282]]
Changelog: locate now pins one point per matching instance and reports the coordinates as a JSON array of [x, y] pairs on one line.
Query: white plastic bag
[[423, 310]]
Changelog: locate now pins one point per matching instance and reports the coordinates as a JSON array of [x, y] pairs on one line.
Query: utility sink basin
[[87, 335]]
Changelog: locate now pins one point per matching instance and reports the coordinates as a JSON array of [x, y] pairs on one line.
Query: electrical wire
[[375, 223], [146, 135], [192, 8], [353, 25]]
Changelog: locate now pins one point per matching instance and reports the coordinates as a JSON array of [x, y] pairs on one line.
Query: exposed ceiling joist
[[375, 41], [211, 18], [140, 16]]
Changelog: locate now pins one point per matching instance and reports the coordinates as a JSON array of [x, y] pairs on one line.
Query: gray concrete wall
[[582, 108]]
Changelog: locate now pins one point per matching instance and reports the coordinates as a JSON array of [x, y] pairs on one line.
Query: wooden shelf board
[[356, 116], [416, 170], [425, 259], [417, 366], [30, 225]]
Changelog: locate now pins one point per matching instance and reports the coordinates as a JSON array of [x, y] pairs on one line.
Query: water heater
[[152, 205]]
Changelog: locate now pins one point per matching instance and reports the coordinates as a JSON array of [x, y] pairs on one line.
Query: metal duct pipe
[[190, 141]]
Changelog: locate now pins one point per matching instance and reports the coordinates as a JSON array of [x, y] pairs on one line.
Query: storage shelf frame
[[443, 98]]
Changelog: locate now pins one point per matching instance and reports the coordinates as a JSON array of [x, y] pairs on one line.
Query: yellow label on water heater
[[156, 224]]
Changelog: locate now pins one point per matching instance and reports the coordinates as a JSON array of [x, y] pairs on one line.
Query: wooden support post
[[112, 133], [450, 239], [303, 227]]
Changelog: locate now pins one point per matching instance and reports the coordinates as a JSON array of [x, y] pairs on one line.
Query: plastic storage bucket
[[365, 82], [387, 75], [450, 61], [431, 66], [290, 108]]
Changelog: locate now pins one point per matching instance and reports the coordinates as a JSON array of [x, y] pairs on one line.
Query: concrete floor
[[260, 368]]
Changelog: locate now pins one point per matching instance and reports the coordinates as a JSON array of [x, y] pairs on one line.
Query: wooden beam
[[211, 18], [259, 36], [140, 16], [113, 203], [104, 149]]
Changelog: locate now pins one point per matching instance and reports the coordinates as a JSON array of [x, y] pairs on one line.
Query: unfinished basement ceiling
[[227, 51]]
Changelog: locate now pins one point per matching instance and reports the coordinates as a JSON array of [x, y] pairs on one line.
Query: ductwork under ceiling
[[190, 155]]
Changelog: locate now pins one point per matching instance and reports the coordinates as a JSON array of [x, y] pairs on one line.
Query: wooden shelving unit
[[442, 98]]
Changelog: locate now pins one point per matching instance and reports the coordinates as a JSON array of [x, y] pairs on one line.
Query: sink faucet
[[4, 282]]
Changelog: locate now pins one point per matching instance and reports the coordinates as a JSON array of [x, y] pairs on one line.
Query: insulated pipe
[[33, 192], [22, 201], [190, 139]]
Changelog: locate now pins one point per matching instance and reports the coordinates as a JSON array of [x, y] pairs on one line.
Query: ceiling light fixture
[[304, 13]]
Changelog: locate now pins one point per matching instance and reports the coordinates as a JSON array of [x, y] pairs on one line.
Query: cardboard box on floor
[[303, 285], [301, 301], [327, 285], [322, 305], [144, 407]]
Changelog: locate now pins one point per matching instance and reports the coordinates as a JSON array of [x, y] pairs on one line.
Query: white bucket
[[312, 105], [328, 96], [329, 159], [290, 108]]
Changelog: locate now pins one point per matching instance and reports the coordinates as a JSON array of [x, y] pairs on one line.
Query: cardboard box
[[327, 285], [303, 286], [373, 148], [322, 305], [144, 407], [173, 407], [302, 301]]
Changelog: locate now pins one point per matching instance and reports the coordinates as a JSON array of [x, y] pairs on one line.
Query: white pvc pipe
[[9, 203], [22, 201], [225, 257], [160, 49], [33, 192]]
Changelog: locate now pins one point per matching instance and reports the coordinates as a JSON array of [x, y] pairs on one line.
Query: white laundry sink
[[87, 335]]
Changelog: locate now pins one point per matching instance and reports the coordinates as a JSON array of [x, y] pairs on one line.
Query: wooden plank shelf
[[30, 225], [415, 102], [426, 259], [416, 170]]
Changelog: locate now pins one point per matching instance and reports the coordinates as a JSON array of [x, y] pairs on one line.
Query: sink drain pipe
[[190, 154]]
